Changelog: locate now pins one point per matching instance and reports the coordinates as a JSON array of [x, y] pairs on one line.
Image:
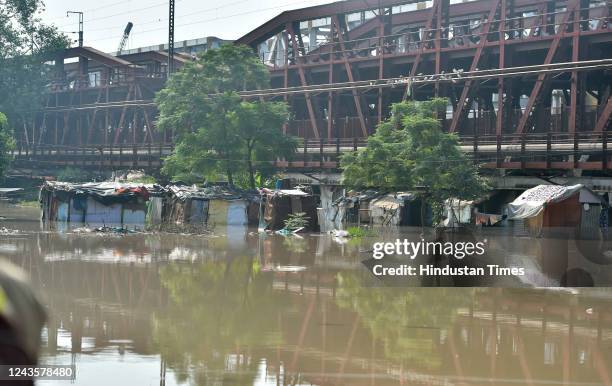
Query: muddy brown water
[[237, 308]]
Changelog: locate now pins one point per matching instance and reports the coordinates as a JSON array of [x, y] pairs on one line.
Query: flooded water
[[237, 308]]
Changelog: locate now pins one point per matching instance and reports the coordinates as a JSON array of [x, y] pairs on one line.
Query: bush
[[70, 174], [296, 221]]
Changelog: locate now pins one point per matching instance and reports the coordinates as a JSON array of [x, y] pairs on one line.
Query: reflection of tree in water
[[295, 244], [216, 313], [407, 321]]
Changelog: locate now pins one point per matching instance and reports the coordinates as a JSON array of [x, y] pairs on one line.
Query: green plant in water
[[355, 231], [296, 221]]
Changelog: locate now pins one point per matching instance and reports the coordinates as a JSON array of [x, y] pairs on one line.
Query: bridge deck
[[586, 151]]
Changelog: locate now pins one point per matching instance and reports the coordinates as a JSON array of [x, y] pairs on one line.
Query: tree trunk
[[422, 215], [230, 177], [250, 166]]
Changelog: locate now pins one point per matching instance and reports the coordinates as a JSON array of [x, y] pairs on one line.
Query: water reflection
[[246, 310]]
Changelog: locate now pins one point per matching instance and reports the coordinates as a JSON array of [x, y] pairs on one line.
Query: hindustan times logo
[[413, 248]]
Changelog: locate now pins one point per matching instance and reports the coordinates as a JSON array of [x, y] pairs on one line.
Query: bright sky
[[104, 20]]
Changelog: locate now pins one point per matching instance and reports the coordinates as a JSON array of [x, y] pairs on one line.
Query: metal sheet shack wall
[[68, 205], [279, 207], [227, 212]]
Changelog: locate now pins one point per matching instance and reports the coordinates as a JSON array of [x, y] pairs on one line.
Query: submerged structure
[[97, 203], [210, 206], [128, 205], [549, 207], [282, 203]]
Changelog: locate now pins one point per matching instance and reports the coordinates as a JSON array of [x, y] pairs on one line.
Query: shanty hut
[[354, 208], [399, 208], [554, 206], [210, 206], [95, 204], [279, 204], [372, 207]]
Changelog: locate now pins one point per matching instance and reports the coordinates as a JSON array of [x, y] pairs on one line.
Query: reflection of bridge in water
[[318, 325]]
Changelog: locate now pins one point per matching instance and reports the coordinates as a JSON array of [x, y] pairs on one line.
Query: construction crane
[[124, 38]]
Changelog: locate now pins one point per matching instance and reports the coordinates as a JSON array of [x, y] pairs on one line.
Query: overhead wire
[[166, 19], [215, 18], [121, 13]]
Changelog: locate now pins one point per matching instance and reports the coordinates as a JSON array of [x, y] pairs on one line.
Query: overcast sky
[[104, 20]]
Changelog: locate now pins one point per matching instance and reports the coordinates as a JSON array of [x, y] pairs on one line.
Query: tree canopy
[[25, 45], [216, 131], [410, 152]]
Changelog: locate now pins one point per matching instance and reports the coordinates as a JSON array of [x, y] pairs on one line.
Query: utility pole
[[171, 38], [80, 25]]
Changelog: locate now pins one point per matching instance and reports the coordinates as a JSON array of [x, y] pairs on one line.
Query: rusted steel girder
[[92, 124], [123, 112], [296, 49], [67, 119], [604, 118], [417, 59], [468, 84], [575, 99], [552, 50], [499, 119], [336, 8], [349, 71], [43, 123]]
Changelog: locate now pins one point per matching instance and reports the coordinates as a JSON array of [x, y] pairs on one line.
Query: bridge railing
[[528, 150], [122, 155]]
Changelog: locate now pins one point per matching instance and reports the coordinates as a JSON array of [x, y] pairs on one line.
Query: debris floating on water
[[6, 231]]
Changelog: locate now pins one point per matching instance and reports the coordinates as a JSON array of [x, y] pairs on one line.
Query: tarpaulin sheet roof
[[392, 201], [183, 192], [10, 190], [388, 202], [104, 192], [533, 201], [285, 192], [292, 192]]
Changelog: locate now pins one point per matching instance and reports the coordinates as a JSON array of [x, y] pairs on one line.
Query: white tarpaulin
[[292, 192], [533, 201]]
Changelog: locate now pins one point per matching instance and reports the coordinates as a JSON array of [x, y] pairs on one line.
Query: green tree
[[410, 152], [25, 45], [216, 131], [6, 144]]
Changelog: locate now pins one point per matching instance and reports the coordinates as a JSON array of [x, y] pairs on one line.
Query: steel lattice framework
[[516, 72]]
